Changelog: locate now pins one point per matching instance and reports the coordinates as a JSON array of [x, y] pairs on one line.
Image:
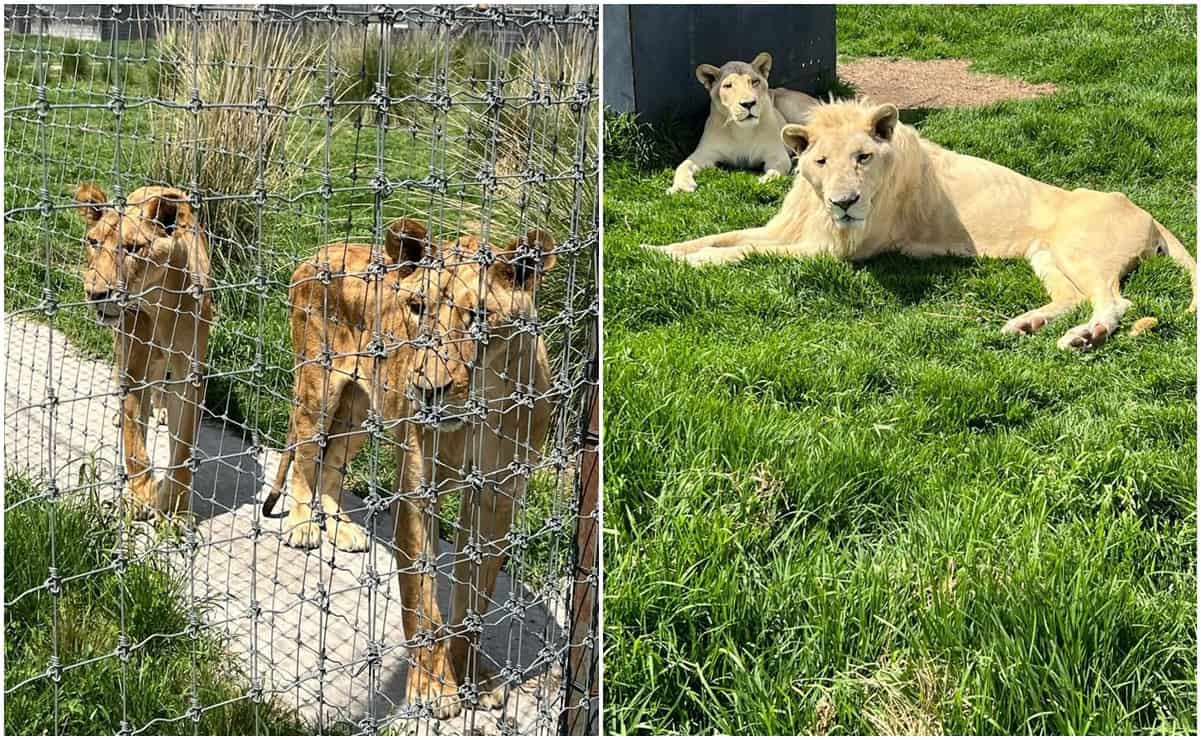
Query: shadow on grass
[[912, 281]]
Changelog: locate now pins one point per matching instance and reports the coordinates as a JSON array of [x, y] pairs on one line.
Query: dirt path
[[294, 640], [937, 83]]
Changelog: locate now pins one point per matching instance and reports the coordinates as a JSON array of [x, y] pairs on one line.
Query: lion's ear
[[796, 137], [707, 74], [762, 64], [522, 261], [884, 121], [169, 211], [88, 195], [405, 243]]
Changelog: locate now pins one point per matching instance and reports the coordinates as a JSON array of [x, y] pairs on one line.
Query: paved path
[[232, 569]]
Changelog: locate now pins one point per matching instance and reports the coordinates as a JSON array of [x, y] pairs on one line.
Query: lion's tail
[[1172, 247], [277, 489]]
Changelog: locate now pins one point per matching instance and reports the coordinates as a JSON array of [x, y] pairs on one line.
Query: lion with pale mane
[[148, 268], [436, 346], [868, 184]]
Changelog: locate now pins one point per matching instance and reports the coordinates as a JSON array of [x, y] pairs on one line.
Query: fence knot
[[473, 553], [54, 669], [122, 651], [49, 302], [53, 585]]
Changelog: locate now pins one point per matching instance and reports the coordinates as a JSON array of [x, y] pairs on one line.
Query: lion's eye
[[821, 161], [417, 306], [727, 85], [754, 83], [864, 157]]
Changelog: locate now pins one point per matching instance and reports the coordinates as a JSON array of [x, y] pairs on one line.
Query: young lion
[[868, 184], [148, 268], [745, 118], [448, 358]]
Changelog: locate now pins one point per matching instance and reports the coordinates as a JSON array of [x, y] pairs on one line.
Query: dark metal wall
[[651, 51]]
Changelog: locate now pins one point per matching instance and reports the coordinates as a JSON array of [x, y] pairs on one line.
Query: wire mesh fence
[[301, 332]]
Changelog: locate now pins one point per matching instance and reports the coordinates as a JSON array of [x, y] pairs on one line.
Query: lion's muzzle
[[104, 303]]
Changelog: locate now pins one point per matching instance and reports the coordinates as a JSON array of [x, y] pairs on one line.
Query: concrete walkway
[[232, 569]]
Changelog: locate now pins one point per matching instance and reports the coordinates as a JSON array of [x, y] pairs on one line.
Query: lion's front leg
[[776, 167], [684, 178], [431, 682], [484, 524], [727, 255], [183, 400], [726, 239], [140, 490]]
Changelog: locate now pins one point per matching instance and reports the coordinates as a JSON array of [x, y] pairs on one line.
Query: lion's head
[[474, 323], [847, 153], [738, 90], [136, 253]]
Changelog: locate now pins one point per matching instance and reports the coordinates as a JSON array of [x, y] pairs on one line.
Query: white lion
[[745, 118], [868, 184]]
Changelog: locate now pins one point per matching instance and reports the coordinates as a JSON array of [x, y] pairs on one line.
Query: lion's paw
[[715, 256], [1085, 337], [301, 530], [438, 694], [682, 185], [1027, 323], [141, 497], [770, 175], [346, 535]]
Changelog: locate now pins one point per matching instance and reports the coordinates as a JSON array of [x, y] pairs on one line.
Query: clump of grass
[[223, 146], [94, 697]]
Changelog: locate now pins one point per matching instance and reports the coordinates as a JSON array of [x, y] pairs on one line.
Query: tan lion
[[461, 380], [146, 277], [745, 118], [869, 184]]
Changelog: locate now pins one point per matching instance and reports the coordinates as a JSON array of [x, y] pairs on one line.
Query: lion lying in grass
[[869, 184], [145, 279], [461, 379], [745, 117]]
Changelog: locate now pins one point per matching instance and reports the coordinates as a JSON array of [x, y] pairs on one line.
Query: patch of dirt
[[937, 83]]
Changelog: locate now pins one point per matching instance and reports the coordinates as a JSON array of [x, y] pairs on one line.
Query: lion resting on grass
[[446, 358], [869, 184], [745, 117], [147, 271]]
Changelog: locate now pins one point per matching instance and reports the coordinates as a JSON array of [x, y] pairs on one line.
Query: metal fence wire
[[301, 311]]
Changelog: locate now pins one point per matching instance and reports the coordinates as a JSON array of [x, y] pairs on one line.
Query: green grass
[[838, 500], [97, 689]]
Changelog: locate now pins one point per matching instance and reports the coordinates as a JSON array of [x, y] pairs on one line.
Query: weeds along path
[[232, 570]]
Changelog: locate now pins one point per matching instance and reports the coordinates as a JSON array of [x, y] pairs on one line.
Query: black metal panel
[[667, 42]]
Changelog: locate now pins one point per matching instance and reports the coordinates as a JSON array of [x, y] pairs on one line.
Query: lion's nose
[[436, 396], [99, 296], [748, 104], [845, 202]]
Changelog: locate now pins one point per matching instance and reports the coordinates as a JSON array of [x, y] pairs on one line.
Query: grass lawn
[[839, 500], [97, 691]]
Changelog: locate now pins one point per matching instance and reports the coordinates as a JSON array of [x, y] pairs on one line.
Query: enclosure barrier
[[270, 132]]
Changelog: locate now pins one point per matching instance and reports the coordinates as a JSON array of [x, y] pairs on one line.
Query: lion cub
[[745, 118], [147, 269]]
